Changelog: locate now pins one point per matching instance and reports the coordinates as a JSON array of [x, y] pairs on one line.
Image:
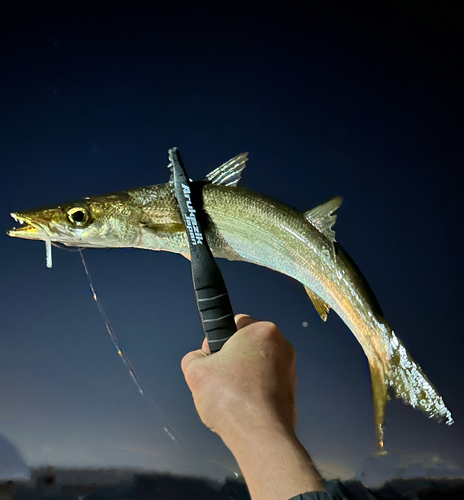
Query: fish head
[[107, 221]]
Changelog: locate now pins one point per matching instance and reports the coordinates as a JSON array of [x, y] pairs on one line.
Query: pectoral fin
[[321, 306]]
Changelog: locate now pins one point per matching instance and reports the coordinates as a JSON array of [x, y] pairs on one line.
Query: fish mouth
[[29, 229]]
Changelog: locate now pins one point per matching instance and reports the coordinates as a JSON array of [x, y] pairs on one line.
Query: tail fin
[[407, 380], [412, 386]]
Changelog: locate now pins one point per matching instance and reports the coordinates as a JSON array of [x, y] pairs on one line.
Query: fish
[[242, 225]]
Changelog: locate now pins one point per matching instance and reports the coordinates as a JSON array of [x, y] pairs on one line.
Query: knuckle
[[269, 331]]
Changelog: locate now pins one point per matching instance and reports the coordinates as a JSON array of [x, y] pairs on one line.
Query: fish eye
[[78, 216]]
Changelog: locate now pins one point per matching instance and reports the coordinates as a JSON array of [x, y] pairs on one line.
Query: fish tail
[[406, 379], [411, 384]]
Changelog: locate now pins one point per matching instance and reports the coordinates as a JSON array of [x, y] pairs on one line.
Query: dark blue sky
[[329, 100]]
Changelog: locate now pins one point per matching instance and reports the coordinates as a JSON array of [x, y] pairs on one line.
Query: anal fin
[[321, 306]]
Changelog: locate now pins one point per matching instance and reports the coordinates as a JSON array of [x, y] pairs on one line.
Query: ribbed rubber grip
[[213, 302]]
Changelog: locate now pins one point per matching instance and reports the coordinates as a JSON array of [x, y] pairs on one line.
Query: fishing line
[[168, 428], [170, 431]]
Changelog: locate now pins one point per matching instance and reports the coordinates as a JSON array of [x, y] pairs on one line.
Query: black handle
[[213, 300]]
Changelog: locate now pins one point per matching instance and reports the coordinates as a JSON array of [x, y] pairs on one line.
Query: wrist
[[274, 463]]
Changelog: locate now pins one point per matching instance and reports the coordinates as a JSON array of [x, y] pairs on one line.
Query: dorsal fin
[[321, 305], [322, 219], [230, 173]]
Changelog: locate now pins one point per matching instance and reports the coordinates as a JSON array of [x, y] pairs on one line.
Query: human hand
[[250, 383]]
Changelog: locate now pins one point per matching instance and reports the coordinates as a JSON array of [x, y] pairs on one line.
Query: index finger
[[243, 320], [191, 356]]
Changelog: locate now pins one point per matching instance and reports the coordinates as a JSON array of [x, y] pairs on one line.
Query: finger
[[243, 320], [191, 356], [205, 346]]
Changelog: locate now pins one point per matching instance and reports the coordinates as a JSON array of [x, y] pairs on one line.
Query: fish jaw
[[34, 226]]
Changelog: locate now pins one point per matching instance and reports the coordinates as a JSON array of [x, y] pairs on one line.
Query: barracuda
[[246, 226]]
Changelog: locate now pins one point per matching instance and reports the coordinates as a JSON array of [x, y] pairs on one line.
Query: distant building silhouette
[[379, 469]]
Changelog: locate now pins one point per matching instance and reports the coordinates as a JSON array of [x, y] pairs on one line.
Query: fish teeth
[[17, 219]]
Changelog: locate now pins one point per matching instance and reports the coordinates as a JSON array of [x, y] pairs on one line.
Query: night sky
[[333, 100]]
